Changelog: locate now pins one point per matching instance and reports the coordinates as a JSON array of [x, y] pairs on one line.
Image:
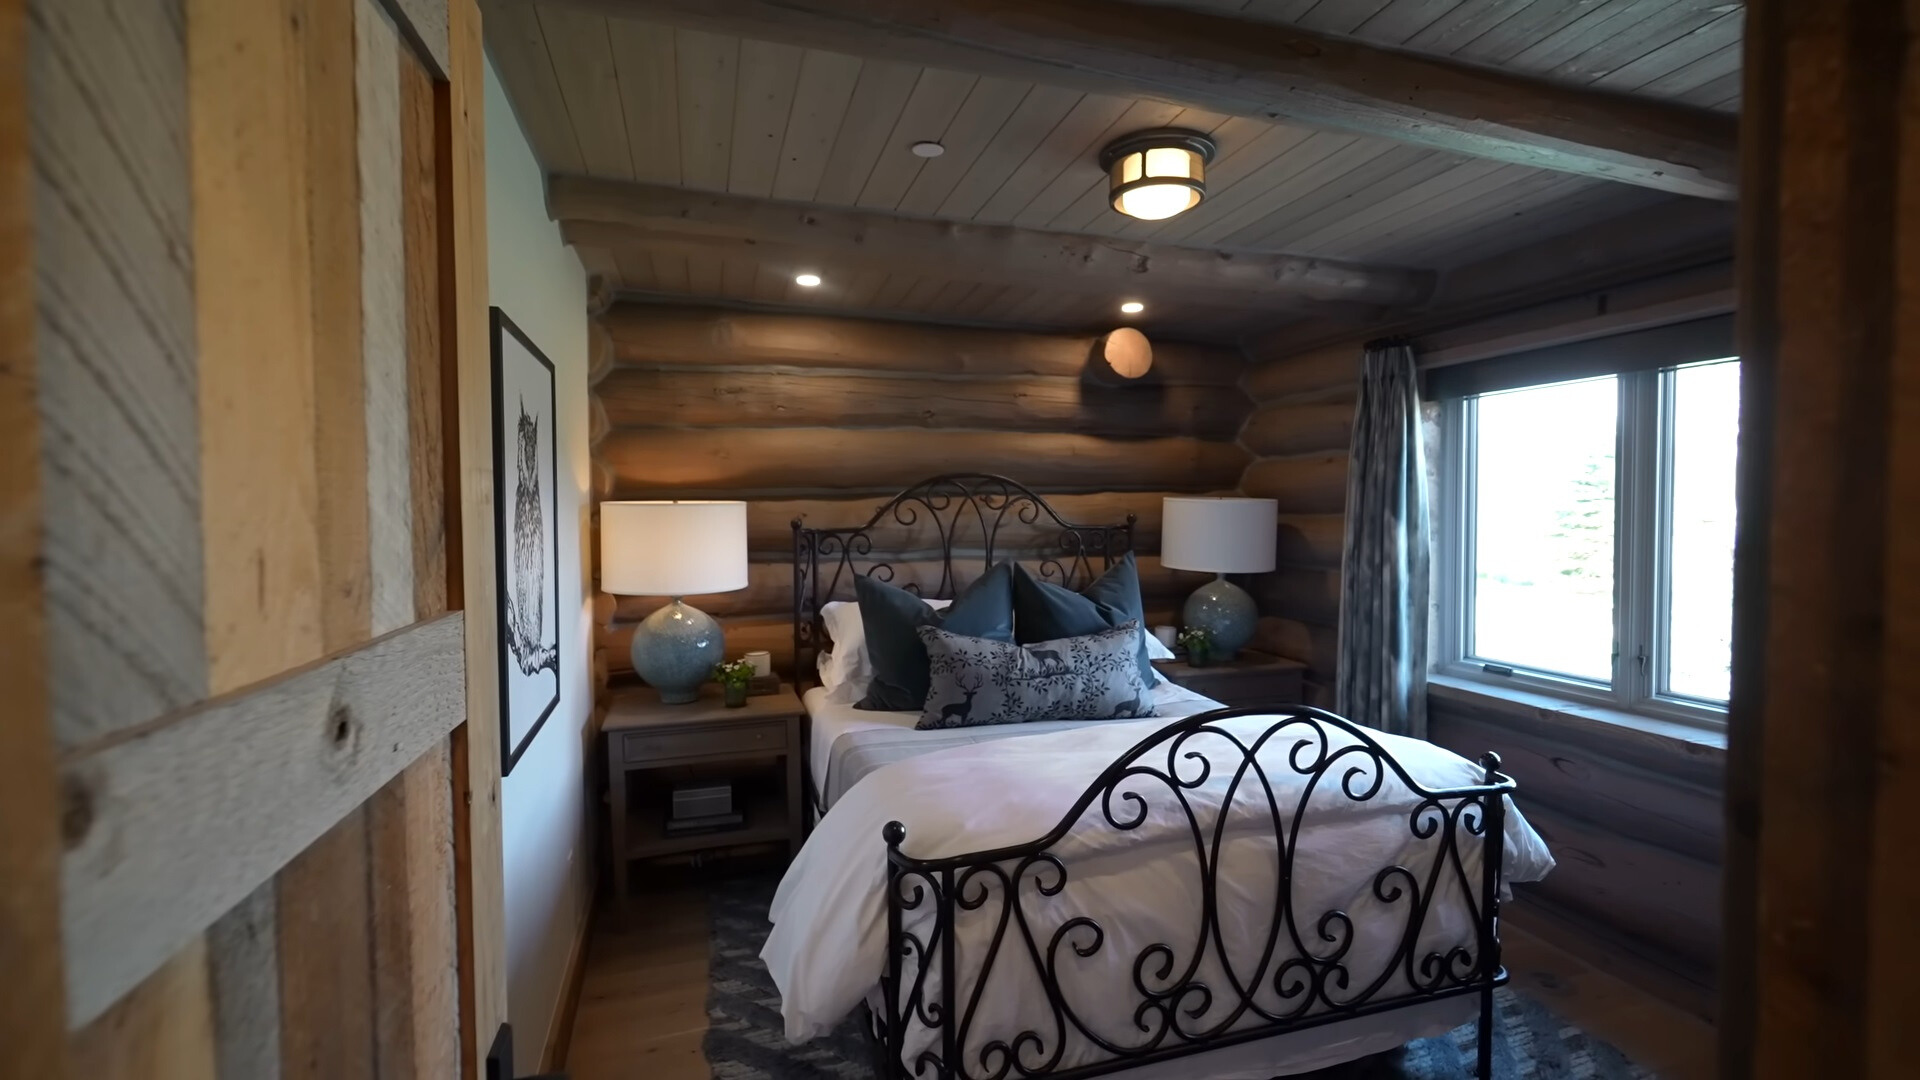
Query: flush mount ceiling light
[[807, 281], [1153, 175], [1133, 307]]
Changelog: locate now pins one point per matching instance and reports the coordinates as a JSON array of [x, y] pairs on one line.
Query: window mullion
[[1637, 518]]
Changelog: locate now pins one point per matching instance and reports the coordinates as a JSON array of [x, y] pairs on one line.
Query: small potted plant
[[733, 677], [1199, 645]]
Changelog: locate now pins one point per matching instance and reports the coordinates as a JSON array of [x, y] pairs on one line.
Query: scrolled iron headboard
[[959, 507]]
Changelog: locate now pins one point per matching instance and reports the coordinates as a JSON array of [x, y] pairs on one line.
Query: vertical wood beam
[[470, 546], [426, 397], [32, 996], [1825, 764]]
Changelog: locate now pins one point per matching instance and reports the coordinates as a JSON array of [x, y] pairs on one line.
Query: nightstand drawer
[[638, 747]]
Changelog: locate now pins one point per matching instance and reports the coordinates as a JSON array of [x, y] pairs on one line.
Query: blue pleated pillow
[[891, 615], [1043, 611]]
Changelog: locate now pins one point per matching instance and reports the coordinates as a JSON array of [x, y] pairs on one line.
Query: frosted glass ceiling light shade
[[1153, 175]]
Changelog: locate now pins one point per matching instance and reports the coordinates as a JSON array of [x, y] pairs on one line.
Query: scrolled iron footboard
[[1299, 977]]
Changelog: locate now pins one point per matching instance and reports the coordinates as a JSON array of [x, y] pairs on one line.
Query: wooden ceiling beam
[[621, 215], [1255, 69]]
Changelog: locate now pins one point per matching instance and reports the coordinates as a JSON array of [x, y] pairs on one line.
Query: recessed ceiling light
[[806, 280], [1133, 307], [927, 149]]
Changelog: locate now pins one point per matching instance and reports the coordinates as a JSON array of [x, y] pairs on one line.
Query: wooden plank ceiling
[[630, 100]]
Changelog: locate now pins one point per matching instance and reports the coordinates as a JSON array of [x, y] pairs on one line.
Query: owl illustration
[[525, 606]]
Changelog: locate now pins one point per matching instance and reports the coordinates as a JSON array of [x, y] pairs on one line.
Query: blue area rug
[[745, 1041]]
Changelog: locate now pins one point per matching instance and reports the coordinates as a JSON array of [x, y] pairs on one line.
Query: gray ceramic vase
[[1226, 613], [675, 649]]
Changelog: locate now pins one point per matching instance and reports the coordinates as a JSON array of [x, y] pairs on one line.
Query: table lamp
[[1220, 536], [674, 549]]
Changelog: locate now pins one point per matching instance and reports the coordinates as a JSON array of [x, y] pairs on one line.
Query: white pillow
[[846, 669], [1156, 650]]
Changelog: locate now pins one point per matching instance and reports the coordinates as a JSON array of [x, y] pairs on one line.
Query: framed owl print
[[526, 520]]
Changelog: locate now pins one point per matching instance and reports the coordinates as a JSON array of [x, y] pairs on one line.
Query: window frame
[[1643, 477]]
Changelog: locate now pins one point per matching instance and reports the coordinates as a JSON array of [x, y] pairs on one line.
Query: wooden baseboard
[[553, 1057], [1626, 959]]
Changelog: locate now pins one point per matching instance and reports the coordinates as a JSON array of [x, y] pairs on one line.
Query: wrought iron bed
[[1302, 974]]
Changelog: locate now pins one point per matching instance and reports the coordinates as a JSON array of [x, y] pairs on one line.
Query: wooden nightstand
[[642, 734], [1250, 678]]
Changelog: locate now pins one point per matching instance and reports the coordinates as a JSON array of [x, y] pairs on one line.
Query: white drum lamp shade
[[672, 548], [1219, 536]]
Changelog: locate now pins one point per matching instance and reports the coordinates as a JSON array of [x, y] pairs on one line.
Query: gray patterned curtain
[[1382, 681]]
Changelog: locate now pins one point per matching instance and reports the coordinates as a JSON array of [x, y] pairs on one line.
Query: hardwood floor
[[643, 999]]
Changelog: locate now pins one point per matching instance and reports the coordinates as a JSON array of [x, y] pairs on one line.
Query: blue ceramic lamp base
[[674, 650], [1224, 610]]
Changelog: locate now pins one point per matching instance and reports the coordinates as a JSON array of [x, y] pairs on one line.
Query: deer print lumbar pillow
[[976, 681]]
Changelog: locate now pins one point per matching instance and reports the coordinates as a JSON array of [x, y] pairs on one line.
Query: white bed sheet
[[827, 949], [830, 720]]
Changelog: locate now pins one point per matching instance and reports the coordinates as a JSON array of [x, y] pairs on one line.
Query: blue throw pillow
[[891, 616], [1043, 611]]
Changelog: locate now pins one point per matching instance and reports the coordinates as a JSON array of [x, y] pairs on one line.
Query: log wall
[[822, 418]]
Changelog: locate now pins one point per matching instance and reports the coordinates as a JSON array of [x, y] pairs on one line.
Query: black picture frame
[[523, 664]]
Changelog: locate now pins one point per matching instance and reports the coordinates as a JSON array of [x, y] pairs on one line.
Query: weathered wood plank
[[461, 145], [32, 1023], [383, 290], [254, 254], [163, 1030], [649, 217], [729, 398], [1286, 428], [769, 588], [816, 459], [243, 954], [415, 982], [426, 398], [649, 336], [117, 372], [341, 389], [325, 927], [173, 824], [1308, 484]]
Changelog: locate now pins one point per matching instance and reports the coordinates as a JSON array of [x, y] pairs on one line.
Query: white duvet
[[827, 950]]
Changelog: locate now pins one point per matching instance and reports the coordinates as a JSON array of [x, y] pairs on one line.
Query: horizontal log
[[1639, 803], [598, 422], [1317, 646], [636, 397], [1274, 376], [1289, 428], [1643, 891], [650, 335], [770, 521], [168, 829], [1293, 592], [1308, 484], [648, 462], [600, 351], [1317, 540], [625, 216], [769, 588], [1265, 70]]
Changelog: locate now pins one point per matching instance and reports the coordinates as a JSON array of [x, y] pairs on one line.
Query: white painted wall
[[539, 283]]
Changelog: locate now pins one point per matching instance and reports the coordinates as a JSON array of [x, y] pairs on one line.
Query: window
[[1586, 534]]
